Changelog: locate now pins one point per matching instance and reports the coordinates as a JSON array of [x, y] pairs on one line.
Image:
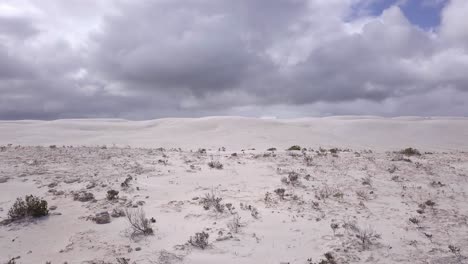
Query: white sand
[[236, 133], [376, 189]]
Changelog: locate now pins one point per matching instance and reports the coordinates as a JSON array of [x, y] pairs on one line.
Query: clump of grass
[[211, 201], [31, 206]]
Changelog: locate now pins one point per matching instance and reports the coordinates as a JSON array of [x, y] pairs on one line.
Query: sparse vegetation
[[215, 165], [200, 240], [31, 206], [292, 179], [366, 236], [234, 225], [211, 201], [138, 222]]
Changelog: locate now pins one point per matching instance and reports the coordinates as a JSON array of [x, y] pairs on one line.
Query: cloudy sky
[[286, 58]]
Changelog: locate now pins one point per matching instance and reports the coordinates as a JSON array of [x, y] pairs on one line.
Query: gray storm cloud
[[148, 59]]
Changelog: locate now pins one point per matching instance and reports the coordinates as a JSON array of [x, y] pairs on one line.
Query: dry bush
[[234, 225], [410, 152], [200, 240], [112, 194], [327, 192], [211, 201], [292, 179], [215, 165], [366, 235], [295, 147], [138, 222], [31, 206]]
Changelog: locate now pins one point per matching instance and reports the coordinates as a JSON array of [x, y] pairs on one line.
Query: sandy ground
[[412, 208]]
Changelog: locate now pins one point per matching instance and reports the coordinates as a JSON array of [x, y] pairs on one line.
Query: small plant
[[230, 208], [215, 165], [201, 151], [271, 149], [292, 179], [253, 211], [410, 152], [200, 240], [367, 181], [334, 227], [295, 147], [112, 194], [333, 150], [234, 225], [13, 260], [211, 201], [138, 222], [362, 195], [366, 236], [329, 259], [430, 203], [123, 260], [280, 192], [414, 220], [31, 206], [455, 250], [126, 183]]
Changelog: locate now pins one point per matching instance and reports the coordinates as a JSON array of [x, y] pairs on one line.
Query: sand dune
[[307, 206], [238, 132]]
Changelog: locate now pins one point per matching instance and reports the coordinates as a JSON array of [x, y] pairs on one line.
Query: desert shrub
[[211, 201], [410, 152], [112, 194], [30, 206], [327, 191], [138, 222], [333, 150], [366, 236], [334, 227], [329, 259], [271, 149], [123, 260], [230, 208], [215, 165], [295, 147], [280, 192], [455, 250], [200, 240], [414, 220], [253, 211], [362, 195], [126, 182], [292, 179], [201, 151], [234, 225], [13, 260]]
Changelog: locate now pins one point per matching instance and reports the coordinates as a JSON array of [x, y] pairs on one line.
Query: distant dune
[[235, 133]]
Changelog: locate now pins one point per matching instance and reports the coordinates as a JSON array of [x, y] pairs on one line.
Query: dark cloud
[[148, 59], [17, 28]]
